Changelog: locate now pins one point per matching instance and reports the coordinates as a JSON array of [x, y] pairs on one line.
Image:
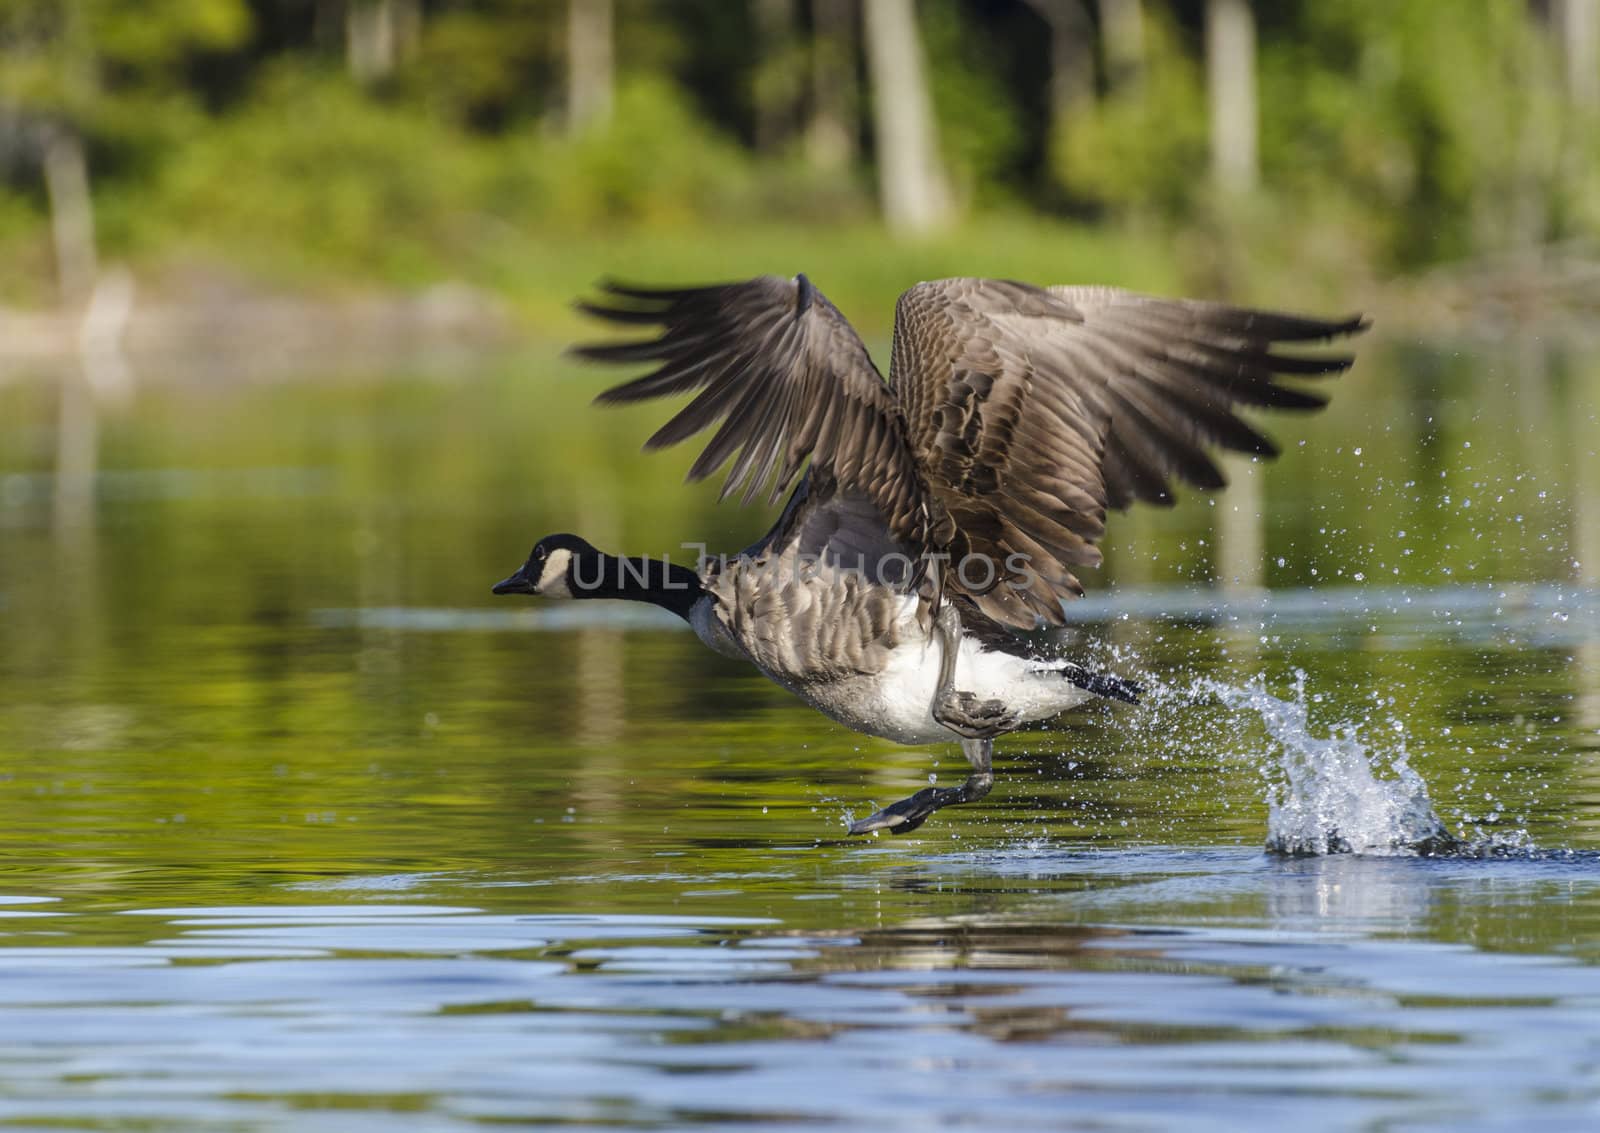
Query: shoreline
[[242, 335], [234, 330]]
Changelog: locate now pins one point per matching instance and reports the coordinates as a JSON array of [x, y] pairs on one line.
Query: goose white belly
[[896, 701]]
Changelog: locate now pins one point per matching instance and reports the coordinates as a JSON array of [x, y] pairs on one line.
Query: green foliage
[[1443, 134], [1392, 136], [1143, 146], [361, 180], [981, 128], [316, 164], [114, 73], [60, 57], [1415, 134], [482, 66], [654, 163]]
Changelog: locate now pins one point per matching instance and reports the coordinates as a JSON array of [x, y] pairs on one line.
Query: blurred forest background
[[1295, 151]]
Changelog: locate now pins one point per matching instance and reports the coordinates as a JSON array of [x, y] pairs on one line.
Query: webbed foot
[[966, 715], [906, 815]]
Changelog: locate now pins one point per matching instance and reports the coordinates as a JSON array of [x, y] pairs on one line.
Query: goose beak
[[518, 583]]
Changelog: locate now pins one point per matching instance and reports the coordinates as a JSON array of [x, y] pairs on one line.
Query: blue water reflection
[[1120, 989]]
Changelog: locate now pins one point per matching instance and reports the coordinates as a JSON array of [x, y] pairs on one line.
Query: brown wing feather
[[781, 373], [1016, 416], [1033, 410]]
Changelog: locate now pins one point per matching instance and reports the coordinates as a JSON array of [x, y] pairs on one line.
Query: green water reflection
[[192, 704], [301, 829]]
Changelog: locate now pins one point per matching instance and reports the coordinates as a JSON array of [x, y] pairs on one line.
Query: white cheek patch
[[553, 579]]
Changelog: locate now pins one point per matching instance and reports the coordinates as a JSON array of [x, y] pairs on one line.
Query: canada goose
[[942, 511]]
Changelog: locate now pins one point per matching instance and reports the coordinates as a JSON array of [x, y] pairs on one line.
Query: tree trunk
[[1231, 93], [1122, 34], [911, 182], [1582, 420], [1071, 54], [379, 35], [777, 76], [831, 135], [1240, 520], [589, 64], [66, 180], [1578, 25]]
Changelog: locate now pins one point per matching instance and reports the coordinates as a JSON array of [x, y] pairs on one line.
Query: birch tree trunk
[[831, 134], [1231, 99], [776, 85], [590, 64], [911, 182], [1578, 24], [1071, 54], [1122, 34], [379, 35], [1240, 525], [1231, 94], [66, 181]]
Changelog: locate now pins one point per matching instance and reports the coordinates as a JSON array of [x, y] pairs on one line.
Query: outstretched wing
[[1031, 410], [783, 375]]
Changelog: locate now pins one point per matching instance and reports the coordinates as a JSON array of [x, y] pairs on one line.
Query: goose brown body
[[1013, 418]]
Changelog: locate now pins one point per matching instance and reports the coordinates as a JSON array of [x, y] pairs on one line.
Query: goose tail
[[1106, 685]]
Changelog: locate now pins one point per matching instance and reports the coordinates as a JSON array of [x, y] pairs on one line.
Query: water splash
[[1328, 797], [1331, 794]]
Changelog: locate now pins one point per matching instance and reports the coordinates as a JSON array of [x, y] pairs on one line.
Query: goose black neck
[[665, 584]]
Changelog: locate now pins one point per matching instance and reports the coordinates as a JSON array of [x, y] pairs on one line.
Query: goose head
[[548, 571]]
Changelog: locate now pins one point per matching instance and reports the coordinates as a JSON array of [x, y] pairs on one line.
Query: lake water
[[302, 829]]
